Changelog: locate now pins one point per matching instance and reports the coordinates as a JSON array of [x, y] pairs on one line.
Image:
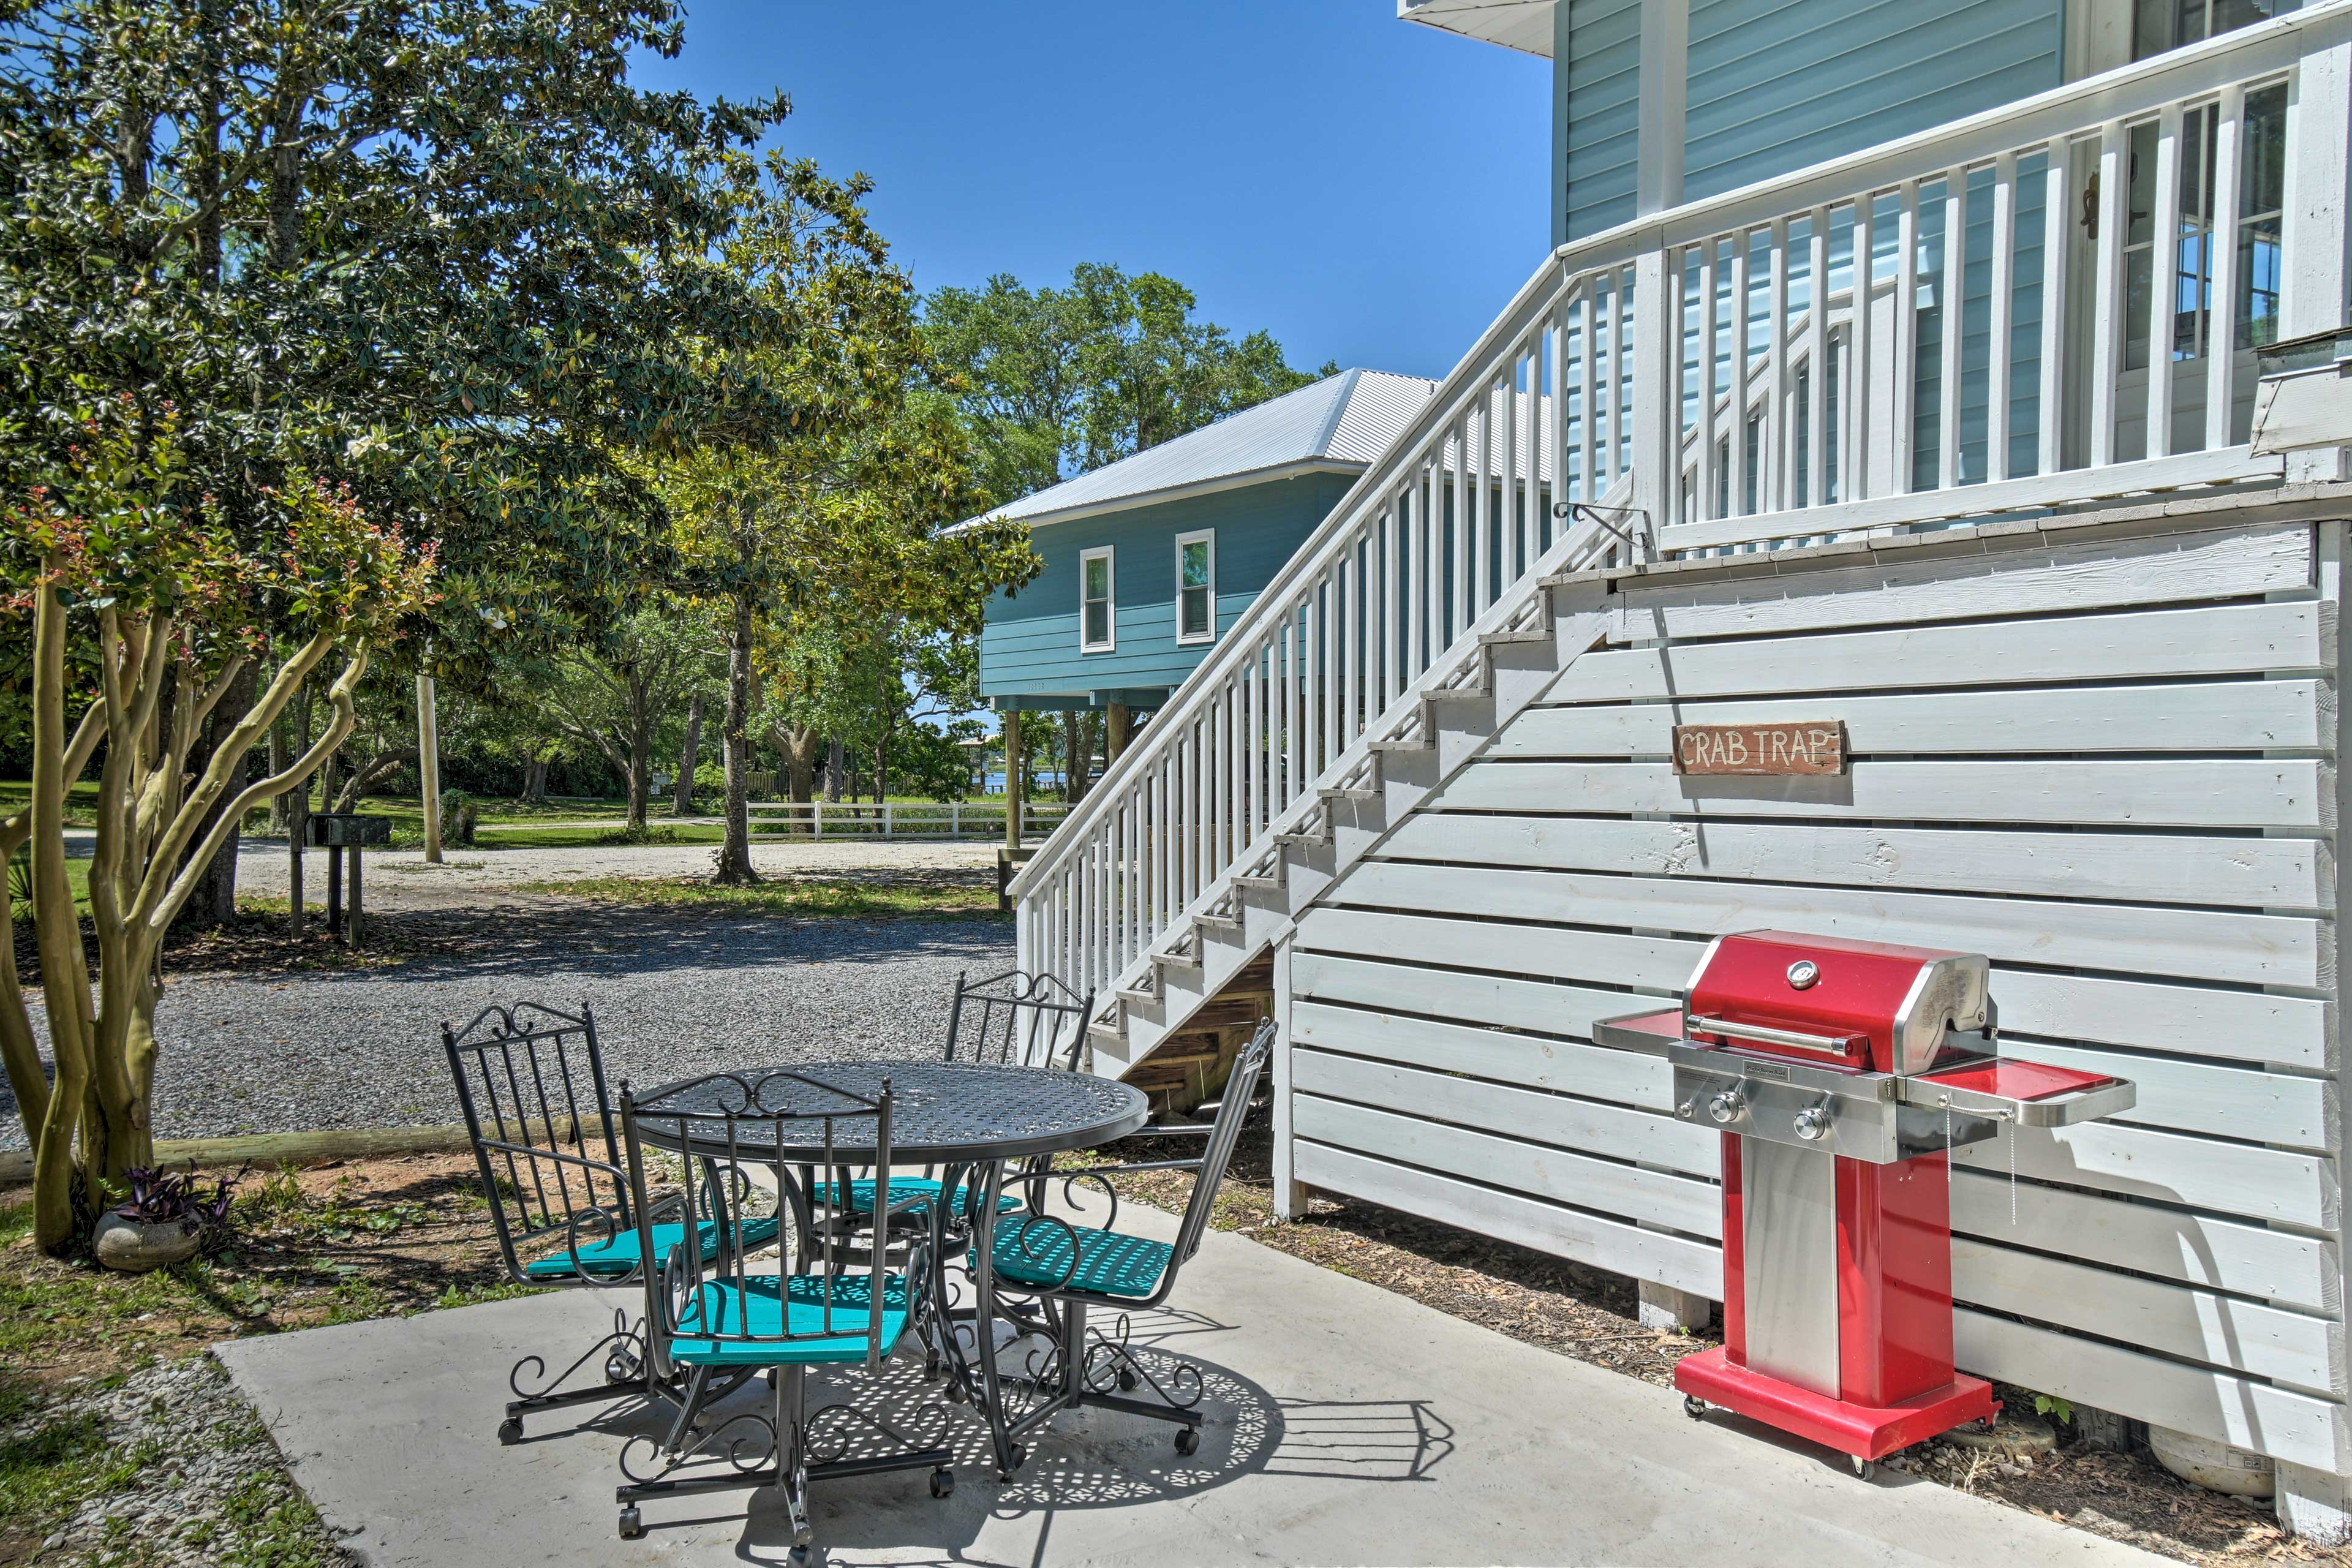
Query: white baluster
[[1738, 434], [1817, 355], [1708, 470], [1853, 473], [2221, 322], [1951, 282], [2164, 292], [2106, 309], [2057, 223], [2004, 238], [1906, 339]]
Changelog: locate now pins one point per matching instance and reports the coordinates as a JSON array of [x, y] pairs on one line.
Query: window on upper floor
[[1098, 608], [2161, 24], [1196, 586]]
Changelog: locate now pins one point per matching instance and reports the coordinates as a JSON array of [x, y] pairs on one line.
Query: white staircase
[[1704, 381]]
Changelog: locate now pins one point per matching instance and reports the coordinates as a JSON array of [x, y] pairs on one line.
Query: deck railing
[[1778, 364]]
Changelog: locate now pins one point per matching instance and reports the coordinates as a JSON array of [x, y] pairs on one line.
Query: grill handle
[[1837, 1045]]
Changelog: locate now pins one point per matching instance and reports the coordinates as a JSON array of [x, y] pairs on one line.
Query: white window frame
[[1107, 555], [1207, 536]]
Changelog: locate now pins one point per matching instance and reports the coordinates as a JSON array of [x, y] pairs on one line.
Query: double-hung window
[[1196, 587], [1098, 608]]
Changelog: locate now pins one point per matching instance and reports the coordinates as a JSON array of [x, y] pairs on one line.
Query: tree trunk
[[213, 903], [297, 818], [1119, 727], [534, 782], [640, 765], [688, 757], [734, 867], [796, 744], [278, 758], [835, 757], [370, 774]]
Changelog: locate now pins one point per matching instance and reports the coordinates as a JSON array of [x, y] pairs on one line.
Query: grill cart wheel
[[1862, 1466], [1695, 1407]]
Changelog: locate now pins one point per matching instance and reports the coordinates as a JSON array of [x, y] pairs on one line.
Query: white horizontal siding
[[2108, 764]]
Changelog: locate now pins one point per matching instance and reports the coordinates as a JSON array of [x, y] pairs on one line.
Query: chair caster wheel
[[1862, 1469], [1018, 1457], [942, 1482], [510, 1429], [798, 1557], [633, 1527], [954, 1393], [1695, 1407], [1127, 1381], [1188, 1440]]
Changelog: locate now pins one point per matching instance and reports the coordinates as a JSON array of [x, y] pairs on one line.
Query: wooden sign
[[1810, 748]]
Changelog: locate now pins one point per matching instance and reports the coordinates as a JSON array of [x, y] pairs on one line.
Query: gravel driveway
[[675, 992]]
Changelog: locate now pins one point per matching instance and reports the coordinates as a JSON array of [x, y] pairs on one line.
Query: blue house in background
[[1149, 559]]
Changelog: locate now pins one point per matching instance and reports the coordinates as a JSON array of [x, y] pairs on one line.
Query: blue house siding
[[1029, 647], [1596, 80], [1776, 85]]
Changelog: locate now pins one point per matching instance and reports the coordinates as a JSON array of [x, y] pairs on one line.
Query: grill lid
[[1867, 1006]]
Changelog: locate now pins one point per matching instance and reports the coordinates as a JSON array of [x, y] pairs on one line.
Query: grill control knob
[[1727, 1106], [1813, 1123]]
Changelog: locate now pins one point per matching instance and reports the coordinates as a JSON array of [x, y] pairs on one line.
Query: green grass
[[799, 897]]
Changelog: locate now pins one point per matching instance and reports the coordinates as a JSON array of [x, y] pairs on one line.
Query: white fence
[[896, 819]]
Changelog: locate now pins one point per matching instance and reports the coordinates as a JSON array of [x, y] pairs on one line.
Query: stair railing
[[1712, 379]]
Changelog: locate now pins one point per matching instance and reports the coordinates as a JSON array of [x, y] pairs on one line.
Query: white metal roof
[[1338, 425], [1522, 24]]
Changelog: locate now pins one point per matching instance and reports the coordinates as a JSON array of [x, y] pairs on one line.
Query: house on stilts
[[1963, 371]]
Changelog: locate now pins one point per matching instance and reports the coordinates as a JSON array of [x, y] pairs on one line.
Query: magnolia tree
[[146, 609]]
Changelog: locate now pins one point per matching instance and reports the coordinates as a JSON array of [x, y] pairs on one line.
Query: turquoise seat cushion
[[861, 1194], [616, 1256], [767, 1305], [1034, 1252]]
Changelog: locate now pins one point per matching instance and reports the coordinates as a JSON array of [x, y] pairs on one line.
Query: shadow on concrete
[[1084, 1460]]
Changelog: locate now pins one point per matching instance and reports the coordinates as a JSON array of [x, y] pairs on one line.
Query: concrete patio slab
[[1347, 1426]]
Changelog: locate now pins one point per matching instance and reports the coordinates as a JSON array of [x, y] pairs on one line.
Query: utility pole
[[428, 767]]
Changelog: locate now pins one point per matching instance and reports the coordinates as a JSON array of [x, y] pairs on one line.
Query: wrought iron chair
[[1046, 1257], [1013, 1019], [794, 1308], [530, 1081]]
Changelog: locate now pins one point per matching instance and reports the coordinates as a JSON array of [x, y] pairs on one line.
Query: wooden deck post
[[1119, 727], [1012, 778], [428, 767]]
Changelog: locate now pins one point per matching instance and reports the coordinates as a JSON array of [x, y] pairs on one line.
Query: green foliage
[[2055, 1408], [1055, 382], [447, 256]]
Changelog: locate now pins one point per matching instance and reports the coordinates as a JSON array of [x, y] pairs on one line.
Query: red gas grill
[[1843, 1074]]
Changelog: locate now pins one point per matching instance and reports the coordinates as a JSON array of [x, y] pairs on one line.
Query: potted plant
[[167, 1218]]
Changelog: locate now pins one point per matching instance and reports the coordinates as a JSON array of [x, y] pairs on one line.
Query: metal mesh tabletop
[[941, 1111]]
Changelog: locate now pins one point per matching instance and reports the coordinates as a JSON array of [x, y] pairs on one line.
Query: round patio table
[[967, 1119]]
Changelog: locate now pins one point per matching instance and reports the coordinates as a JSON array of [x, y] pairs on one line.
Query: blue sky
[[1366, 190]]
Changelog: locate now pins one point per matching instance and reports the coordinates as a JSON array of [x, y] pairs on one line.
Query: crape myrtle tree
[[845, 514], [301, 281], [119, 553]]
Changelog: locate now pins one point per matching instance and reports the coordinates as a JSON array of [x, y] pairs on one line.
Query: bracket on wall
[[1629, 523]]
